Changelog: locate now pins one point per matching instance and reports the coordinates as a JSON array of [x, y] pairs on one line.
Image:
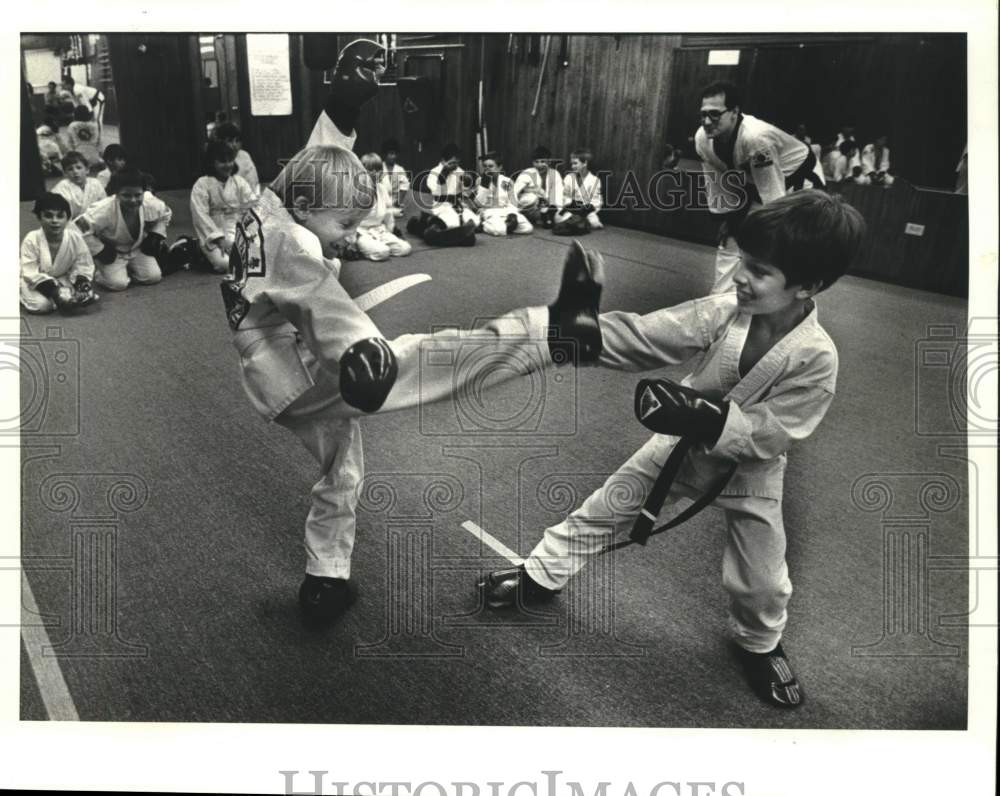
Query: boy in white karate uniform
[[394, 176], [56, 267], [581, 194], [494, 196], [218, 199], [78, 189], [375, 238], [313, 362], [450, 220], [126, 232], [230, 134], [764, 376], [538, 190]]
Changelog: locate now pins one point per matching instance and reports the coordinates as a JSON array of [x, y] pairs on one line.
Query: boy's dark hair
[[390, 145], [848, 146], [449, 151], [541, 153], [52, 123], [583, 154], [731, 92], [51, 201], [810, 236], [227, 132], [114, 152], [68, 79], [128, 177], [72, 157], [81, 113], [216, 150]]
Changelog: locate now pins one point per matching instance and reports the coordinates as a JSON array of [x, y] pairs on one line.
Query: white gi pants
[[753, 563], [495, 221], [143, 268], [377, 243], [33, 301]]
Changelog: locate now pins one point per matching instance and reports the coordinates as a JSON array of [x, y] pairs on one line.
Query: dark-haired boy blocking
[[766, 371]]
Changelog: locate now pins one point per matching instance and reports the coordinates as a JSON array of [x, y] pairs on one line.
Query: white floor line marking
[[376, 296], [51, 685], [496, 544]]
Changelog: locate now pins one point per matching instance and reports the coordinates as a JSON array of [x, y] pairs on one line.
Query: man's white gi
[[215, 209], [497, 203], [37, 265], [765, 155], [80, 198], [293, 322], [585, 192], [103, 223], [780, 401]]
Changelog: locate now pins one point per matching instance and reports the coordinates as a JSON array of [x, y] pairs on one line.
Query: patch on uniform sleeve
[[246, 260], [761, 158], [82, 224]]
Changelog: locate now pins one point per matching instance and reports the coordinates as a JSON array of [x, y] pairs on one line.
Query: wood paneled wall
[[160, 121]]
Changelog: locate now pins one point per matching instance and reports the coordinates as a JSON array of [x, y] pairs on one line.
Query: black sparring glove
[[60, 295], [368, 369], [84, 291], [575, 332], [669, 408], [152, 244], [107, 255]]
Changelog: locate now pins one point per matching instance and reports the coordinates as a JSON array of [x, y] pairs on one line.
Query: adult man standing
[[747, 162]]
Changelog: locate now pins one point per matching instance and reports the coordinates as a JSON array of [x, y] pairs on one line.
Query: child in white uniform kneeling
[[126, 232], [375, 238], [581, 195], [765, 372], [218, 199]]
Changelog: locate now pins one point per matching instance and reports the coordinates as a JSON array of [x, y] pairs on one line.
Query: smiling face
[[331, 225], [223, 168], [53, 223], [717, 120], [577, 165], [130, 197], [541, 165], [761, 288]]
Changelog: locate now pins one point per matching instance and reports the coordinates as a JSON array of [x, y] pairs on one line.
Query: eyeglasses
[[713, 116]]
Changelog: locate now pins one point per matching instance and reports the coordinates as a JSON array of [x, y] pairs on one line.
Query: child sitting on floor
[[375, 238], [218, 199], [494, 197], [582, 197], [394, 176], [56, 267], [78, 189], [539, 190], [115, 159], [230, 134]]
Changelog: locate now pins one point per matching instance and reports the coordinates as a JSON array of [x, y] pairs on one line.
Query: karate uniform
[[876, 162], [326, 133], [292, 322], [247, 170], [215, 209], [527, 201], [396, 184], [37, 265], [80, 198], [497, 203], [779, 401], [83, 137], [374, 237], [772, 162], [587, 192], [453, 212], [103, 223]]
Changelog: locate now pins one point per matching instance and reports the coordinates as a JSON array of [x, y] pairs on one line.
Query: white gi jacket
[[765, 154], [395, 181], [247, 170], [286, 308], [551, 184], [868, 164], [80, 198], [451, 186], [326, 133], [72, 259], [102, 222], [381, 212], [587, 193], [217, 206], [780, 401], [499, 196]]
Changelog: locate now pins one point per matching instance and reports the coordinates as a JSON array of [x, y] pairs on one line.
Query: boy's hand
[[668, 408], [575, 332]]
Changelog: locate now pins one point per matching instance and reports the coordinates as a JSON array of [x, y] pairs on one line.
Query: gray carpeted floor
[[205, 550]]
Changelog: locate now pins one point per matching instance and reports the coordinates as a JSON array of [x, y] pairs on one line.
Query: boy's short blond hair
[[371, 161], [329, 177]]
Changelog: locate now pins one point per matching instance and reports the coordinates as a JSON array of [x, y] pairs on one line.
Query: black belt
[[643, 527], [805, 171]]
